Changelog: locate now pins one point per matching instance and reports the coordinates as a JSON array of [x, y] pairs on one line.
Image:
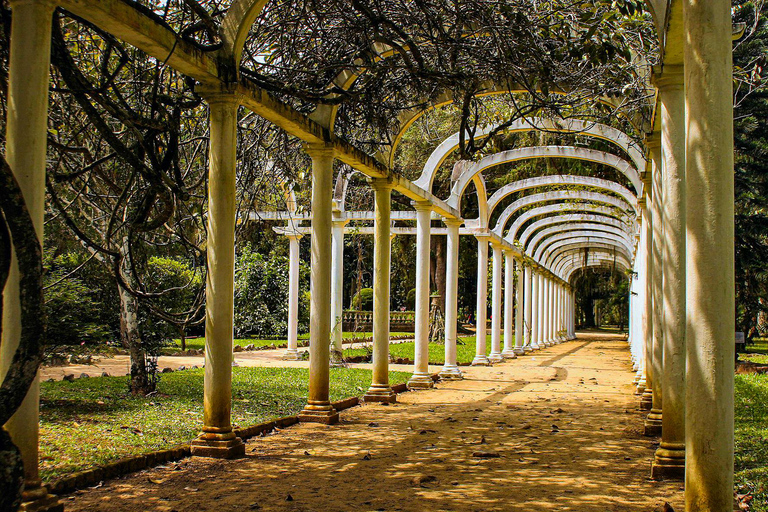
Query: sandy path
[[563, 422]]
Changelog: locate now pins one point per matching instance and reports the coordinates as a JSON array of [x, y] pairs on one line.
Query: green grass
[[751, 429], [94, 421], [465, 350], [199, 343]]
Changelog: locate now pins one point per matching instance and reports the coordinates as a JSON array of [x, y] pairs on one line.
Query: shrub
[[410, 300], [363, 301]]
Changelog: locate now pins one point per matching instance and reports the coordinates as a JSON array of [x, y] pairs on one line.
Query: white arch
[[569, 264], [570, 152], [564, 245], [573, 229], [557, 195], [584, 208], [544, 250], [570, 218], [577, 126], [569, 271], [560, 179]]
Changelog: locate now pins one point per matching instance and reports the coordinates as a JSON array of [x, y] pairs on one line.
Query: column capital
[[320, 149], [653, 140], [381, 184], [294, 235], [670, 78], [448, 221], [218, 94], [421, 206], [340, 221], [483, 237]]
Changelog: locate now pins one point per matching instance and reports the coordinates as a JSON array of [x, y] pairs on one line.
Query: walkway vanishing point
[[564, 423]]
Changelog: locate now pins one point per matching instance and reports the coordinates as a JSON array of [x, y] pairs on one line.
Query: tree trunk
[[439, 273], [131, 339]]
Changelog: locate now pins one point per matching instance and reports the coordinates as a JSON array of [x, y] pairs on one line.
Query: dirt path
[[563, 423]]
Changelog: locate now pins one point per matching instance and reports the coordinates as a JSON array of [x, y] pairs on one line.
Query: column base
[[217, 443], [380, 393], [450, 372], [527, 349], [652, 426], [481, 361], [35, 498], [669, 462], [291, 354], [519, 351], [646, 401], [509, 354], [319, 412], [495, 358], [420, 381]]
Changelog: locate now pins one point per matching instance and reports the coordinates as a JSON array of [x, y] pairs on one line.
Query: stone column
[[509, 305], [548, 337], [519, 307], [25, 151], [218, 439], [380, 390], [420, 378], [535, 311], [337, 288], [450, 369], [496, 305], [551, 314], [292, 352], [645, 384], [481, 359], [669, 461], [710, 285], [653, 421], [528, 347], [319, 408]]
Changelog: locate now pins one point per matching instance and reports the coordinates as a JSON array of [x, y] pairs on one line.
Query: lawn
[[199, 343], [751, 424], [93, 421], [465, 350]]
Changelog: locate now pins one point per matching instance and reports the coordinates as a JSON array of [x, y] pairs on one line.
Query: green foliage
[[751, 431], [261, 295], [78, 308], [94, 421], [410, 300], [465, 350], [363, 301]]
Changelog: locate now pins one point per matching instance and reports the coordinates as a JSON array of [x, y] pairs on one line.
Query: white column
[[710, 304], [420, 378], [509, 305], [481, 359], [380, 390], [551, 313], [319, 408], [337, 289], [549, 338], [217, 438], [519, 308], [528, 309], [495, 355], [26, 136], [450, 369], [292, 352], [653, 421], [643, 386], [536, 311], [669, 461]]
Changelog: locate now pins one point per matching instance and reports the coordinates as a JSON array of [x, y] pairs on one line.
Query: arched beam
[[534, 152], [565, 245], [569, 271], [559, 208], [237, 24], [558, 195], [560, 179], [576, 126], [571, 218], [544, 250], [575, 229]]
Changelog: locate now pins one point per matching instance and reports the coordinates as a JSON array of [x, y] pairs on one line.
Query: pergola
[[674, 230]]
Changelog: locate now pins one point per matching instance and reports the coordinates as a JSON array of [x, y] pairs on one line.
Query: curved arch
[[544, 250], [575, 230], [560, 179], [584, 208], [570, 218], [558, 195], [533, 152], [568, 271], [567, 263], [576, 126], [236, 25], [574, 243]]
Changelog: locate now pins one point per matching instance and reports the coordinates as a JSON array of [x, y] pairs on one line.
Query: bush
[[410, 300], [261, 295], [363, 301]]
